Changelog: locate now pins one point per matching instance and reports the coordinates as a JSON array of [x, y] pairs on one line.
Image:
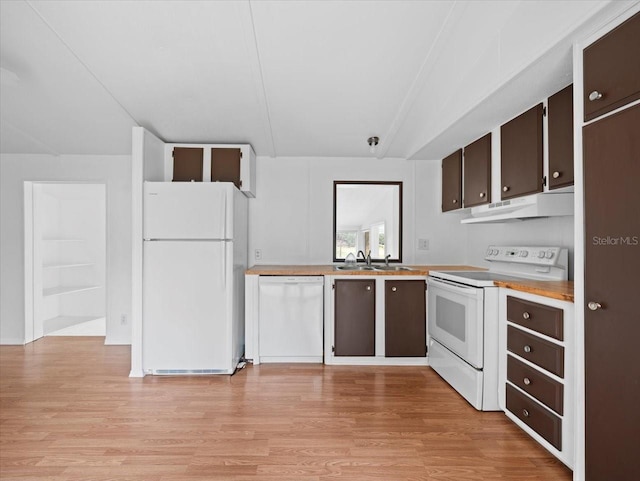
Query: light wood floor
[[68, 411]]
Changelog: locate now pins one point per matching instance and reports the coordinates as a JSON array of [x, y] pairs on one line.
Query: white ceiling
[[293, 78]]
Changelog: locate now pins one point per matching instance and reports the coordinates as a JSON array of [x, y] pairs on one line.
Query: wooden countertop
[[330, 270], [562, 290]]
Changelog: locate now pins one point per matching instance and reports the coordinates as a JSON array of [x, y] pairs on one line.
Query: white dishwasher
[[291, 318]]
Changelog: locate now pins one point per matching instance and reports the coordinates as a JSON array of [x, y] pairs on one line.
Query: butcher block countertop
[[562, 290], [330, 270]]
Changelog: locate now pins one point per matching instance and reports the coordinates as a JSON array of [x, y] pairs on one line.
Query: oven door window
[[455, 319]]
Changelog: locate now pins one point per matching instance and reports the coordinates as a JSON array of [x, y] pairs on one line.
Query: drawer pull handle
[[527, 348], [394, 289], [526, 315], [595, 95], [505, 188], [556, 174], [482, 194], [368, 288], [455, 201], [526, 381], [525, 413]]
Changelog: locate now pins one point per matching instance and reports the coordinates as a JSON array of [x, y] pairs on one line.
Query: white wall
[[447, 237], [115, 172], [291, 220]]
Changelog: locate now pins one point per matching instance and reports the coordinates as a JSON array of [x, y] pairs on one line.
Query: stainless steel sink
[[354, 268], [392, 268]]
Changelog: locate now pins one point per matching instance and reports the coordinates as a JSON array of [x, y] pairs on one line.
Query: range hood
[[546, 204]]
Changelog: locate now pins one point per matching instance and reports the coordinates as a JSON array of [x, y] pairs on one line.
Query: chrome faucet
[[366, 258], [386, 260]]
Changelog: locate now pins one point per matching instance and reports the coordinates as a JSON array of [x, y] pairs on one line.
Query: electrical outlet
[[423, 244], [258, 254], [123, 319]]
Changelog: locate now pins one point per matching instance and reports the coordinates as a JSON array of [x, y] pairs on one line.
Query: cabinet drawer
[[543, 388], [537, 317], [545, 354], [542, 421]]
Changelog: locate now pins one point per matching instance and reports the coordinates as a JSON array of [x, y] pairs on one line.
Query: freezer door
[[186, 317], [188, 210]]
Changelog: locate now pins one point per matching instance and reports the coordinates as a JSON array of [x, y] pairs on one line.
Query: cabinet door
[[452, 181], [521, 154], [405, 329], [225, 165], [612, 70], [477, 172], [187, 164], [612, 263], [560, 108], [355, 317]]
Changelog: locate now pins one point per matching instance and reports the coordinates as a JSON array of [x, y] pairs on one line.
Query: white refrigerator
[[195, 255]]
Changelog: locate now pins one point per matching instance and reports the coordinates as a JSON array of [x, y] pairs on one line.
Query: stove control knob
[[549, 254], [541, 254], [524, 253], [489, 252], [496, 252]]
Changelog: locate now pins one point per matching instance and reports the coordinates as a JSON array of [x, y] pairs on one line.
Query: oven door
[[455, 318]]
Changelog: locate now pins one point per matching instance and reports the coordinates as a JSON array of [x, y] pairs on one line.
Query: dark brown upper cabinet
[[187, 164], [612, 70], [405, 318], [560, 121], [355, 317], [452, 181], [521, 154], [477, 172], [225, 165]]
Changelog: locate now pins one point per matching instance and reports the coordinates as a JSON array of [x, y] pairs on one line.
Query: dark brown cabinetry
[[538, 317], [521, 154], [560, 121], [611, 321], [187, 164], [477, 172], [452, 181], [405, 318], [225, 165], [539, 351], [354, 317], [612, 70], [533, 382], [541, 420]]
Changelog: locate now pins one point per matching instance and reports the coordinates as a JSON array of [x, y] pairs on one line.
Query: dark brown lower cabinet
[[611, 321], [405, 331], [355, 317]]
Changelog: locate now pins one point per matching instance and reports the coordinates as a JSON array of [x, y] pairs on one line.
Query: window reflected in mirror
[[367, 217]]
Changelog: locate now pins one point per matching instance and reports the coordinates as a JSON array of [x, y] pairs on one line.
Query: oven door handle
[[452, 286]]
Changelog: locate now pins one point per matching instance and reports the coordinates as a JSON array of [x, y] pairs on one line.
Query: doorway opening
[[65, 259]]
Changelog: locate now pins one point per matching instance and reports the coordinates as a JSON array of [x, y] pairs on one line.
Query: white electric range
[[463, 317]]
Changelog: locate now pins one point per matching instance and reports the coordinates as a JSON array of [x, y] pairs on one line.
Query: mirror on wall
[[367, 216]]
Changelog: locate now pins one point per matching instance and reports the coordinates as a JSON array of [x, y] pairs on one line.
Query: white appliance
[[291, 319], [463, 317], [195, 255], [545, 204]]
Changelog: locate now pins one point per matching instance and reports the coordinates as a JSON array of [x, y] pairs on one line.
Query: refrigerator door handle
[[223, 246]]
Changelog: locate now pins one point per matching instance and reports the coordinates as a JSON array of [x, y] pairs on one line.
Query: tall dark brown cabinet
[[452, 181], [521, 154], [355, 317], [611, 155], [405, 318]]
